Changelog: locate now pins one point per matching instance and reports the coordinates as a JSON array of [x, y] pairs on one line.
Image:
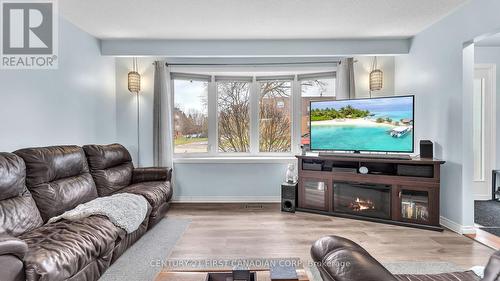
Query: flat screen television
[[374, 125]]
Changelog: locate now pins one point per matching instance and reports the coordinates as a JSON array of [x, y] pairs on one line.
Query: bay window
[[244, 115]]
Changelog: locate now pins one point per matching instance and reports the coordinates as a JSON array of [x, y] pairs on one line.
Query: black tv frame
[[358, 151]]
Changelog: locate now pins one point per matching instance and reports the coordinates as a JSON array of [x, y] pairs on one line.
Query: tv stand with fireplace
[[394, 191]]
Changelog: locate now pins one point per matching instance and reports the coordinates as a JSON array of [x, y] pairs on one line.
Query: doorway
[[486, 210], [483, 129]]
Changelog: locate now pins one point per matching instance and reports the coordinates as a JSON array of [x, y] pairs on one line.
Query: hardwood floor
[[231, 230], [485, 238]]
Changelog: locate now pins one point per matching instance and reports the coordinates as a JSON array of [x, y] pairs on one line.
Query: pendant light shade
[[376, 77], [134, 79], [134, 82]]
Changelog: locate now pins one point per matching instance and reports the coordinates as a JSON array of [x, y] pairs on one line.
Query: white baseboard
[[227, 199], [482, 197], [455, 227]]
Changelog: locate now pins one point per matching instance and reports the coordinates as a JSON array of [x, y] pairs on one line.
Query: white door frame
[[490, 69]]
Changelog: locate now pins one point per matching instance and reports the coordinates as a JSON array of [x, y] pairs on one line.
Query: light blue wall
[[126, 110], [491, 55], [74, 104], [433, 71], [229, 182]]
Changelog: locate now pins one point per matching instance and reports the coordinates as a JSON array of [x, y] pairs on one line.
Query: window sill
[[236, 160]]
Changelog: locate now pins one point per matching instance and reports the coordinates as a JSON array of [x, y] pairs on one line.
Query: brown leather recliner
[[113, 172], [340, 259], [55, 251], [58, 177], [18, 214], [39, 183]]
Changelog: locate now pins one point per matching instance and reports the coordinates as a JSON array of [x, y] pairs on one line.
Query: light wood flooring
[[231, 230], [485, 238]]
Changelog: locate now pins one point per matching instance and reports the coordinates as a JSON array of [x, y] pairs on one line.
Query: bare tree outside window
[[275, 123], [233, 102]]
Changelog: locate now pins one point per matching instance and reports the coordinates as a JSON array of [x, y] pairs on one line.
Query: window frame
[[258, 80], [245, 79], [189, 77], [254, 130], [308, 77]]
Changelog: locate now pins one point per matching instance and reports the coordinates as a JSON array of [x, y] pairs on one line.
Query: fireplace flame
[[361, 205]]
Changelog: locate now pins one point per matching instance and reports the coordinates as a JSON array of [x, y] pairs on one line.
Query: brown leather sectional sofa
[[340, 259], [39, 183]]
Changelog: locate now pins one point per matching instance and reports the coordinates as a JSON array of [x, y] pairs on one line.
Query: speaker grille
[[288, 192]]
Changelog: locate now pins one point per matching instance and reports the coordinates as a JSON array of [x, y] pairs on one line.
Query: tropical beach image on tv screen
[[380, 124]]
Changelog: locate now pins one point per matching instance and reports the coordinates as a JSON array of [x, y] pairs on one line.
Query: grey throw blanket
[[124, 210]]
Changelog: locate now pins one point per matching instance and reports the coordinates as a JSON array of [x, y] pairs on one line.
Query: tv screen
[[377, 124]]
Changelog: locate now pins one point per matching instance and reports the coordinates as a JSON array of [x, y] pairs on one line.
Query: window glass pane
[[274, 116], [314, 89], [190, 116], [233, 104]]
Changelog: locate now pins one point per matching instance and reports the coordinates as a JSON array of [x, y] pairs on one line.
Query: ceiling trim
[[254, 48]]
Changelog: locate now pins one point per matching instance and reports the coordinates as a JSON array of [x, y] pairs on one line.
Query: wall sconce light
[[134, 78], [376, 77]]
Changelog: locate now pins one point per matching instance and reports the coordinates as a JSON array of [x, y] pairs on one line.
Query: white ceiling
[[491, 41], [255, 19]]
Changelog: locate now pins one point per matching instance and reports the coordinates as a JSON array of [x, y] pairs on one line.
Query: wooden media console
[[395, 191]]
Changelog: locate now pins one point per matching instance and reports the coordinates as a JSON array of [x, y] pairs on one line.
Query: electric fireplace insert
[[370, 200]]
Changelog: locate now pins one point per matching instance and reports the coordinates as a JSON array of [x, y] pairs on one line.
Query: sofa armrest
[[151, 174], [12, 246], [340, 259], [492, 270]]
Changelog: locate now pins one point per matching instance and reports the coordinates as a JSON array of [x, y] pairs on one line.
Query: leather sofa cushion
[[47, 164], [492, 270], [56, 197], [59, 250], [340, 259], [101, 157], [111, 166], [19, 214], [18, 211], [58, 178], [12, 175], [151, 174], [112, 179], [11, 268], [156, 192], [455, 276]]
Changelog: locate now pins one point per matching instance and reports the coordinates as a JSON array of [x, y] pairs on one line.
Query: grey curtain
[[345, 85], [162, 119]]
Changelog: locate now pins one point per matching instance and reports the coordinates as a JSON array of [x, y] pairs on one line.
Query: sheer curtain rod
[[251, 64]]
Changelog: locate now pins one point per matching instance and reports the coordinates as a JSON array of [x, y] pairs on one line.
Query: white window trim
[[254, 155]]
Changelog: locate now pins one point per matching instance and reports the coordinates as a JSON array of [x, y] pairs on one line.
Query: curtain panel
[[162, 116], [345, 86]]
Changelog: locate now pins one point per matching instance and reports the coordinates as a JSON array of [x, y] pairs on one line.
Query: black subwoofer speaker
[[426, 149], [288, 197]]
